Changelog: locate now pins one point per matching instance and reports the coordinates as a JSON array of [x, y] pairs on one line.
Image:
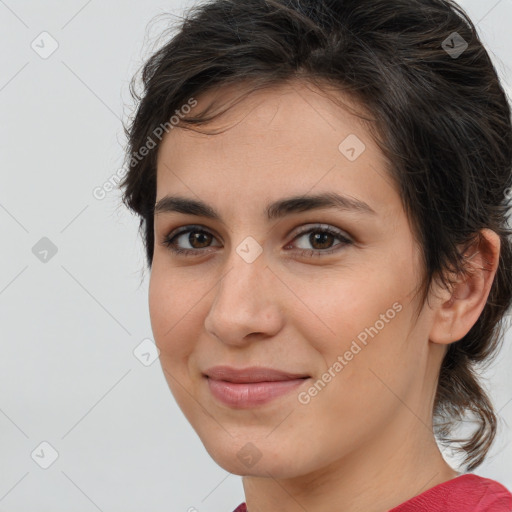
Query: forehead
[[291, 109], [291, 138]]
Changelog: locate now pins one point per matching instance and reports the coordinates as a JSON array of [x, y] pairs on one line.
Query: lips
[[243, 388], [251, 374]]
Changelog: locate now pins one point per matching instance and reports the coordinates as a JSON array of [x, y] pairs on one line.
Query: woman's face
[[278, 291]]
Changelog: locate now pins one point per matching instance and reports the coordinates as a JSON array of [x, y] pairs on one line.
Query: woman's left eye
[[321, 236]]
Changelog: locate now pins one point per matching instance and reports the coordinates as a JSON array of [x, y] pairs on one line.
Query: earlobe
[[458, 309]]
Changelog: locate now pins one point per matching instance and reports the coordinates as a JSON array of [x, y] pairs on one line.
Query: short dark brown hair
[[438, 112]]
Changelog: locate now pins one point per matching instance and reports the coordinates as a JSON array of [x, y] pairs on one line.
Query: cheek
[[171, 309], [171, 313], [368, 317], [351, 305]]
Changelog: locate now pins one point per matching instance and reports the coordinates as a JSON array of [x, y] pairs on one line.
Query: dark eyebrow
[[273, 211]]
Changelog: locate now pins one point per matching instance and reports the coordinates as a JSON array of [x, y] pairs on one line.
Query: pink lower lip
[[250, 394]]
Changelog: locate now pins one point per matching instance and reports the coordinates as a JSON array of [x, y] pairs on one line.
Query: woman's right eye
[[195, 235]]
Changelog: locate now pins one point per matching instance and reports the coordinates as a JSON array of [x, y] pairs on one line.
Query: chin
[[253, 458]]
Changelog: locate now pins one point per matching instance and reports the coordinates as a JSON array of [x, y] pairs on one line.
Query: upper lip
[[250, 374]]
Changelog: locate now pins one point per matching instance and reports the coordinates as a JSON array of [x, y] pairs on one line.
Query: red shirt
[[465, 493]]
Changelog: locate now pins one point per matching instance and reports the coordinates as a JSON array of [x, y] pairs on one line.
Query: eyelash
[[169, 243]]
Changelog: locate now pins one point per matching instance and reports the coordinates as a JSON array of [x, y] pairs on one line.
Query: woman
[[323, 190]]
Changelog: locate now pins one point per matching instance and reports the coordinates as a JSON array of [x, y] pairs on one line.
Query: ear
[[458, 309]]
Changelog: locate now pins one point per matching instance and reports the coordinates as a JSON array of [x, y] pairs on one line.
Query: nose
[[246, 302]]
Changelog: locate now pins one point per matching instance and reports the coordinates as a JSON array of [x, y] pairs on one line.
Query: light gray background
[[68, 373]]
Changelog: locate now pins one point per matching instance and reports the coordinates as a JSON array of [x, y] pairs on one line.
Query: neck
[[375, 477]]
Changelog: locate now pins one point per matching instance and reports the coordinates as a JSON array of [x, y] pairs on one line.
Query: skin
[[365, 441]]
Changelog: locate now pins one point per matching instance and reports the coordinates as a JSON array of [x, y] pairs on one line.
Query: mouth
[[251, 374], [251, 387]]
